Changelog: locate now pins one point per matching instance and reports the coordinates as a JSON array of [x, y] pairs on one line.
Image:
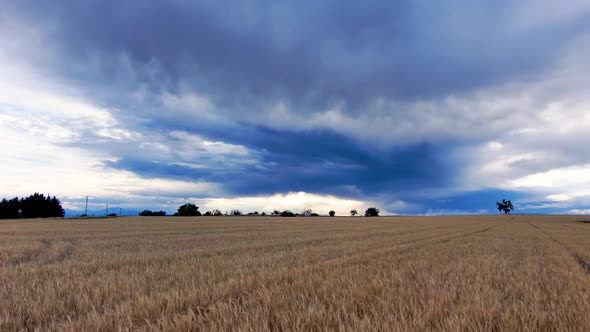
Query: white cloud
[[43, 119], [560, 179], [40, 116], [547, 150], [294, 201], [192, 141], [569, 187], [388, 122], [32, 163]]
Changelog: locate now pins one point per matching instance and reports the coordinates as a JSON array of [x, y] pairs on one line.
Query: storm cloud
[[382, 101]]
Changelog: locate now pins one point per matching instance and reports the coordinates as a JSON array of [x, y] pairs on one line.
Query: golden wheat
[[261, 273]]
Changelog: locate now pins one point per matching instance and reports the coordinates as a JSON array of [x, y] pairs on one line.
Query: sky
[[415, 107]]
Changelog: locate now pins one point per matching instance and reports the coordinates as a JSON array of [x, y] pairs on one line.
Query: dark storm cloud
[[246, 57], [310, 55], [313, 162]]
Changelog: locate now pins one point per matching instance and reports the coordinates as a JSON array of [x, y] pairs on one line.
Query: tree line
[[41, 206], [192, 210], [35, 206]]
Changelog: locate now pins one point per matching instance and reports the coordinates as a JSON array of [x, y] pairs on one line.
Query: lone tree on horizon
[[505, 206], [332, 213], [372, 212], [188, 210], [353, 213]]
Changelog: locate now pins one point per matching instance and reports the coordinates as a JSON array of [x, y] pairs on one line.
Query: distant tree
[[505, 206], [287, 213], [39, 206], [148, 213], [236, 213], [314, 215], [56, 210], [276, 212], [306, 212], [332, 213], [145, 213], [372, 212], [217, 213], [34, 206], [111, 215], [353, 213], [263, 214], [188, 210], [15, 207], [9, 209]]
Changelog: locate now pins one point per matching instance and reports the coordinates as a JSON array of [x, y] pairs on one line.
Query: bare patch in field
[[584, 263]]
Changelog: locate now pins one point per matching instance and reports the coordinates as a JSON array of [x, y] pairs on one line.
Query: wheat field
[[481, 273]]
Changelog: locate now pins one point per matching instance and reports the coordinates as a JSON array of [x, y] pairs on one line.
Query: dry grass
[[498, 273]]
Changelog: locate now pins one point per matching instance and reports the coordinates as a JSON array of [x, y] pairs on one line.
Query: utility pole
[[107, 213], [120, 215], [86, 209]]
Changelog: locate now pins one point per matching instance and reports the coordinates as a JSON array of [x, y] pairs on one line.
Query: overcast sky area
[[416, 107]]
